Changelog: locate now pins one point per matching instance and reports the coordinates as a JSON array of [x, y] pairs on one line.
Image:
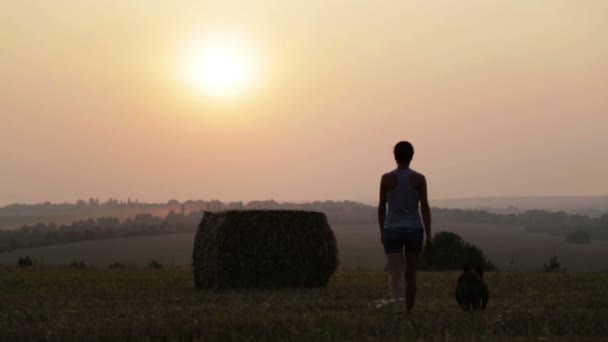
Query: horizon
[[275, 99], [368, 202]]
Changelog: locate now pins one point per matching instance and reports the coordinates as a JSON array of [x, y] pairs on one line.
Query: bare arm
[[425, 209]]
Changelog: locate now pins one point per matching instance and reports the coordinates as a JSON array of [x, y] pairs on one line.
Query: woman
[[403, 227]]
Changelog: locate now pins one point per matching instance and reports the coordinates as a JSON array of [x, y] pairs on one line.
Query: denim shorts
[[398, 240]]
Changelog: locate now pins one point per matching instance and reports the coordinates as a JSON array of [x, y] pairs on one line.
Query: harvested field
[[61, 303]]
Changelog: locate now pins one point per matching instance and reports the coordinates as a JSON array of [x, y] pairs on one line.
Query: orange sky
[[498, 97]]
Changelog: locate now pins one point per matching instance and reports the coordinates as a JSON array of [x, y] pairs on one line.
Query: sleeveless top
[[403, 204]]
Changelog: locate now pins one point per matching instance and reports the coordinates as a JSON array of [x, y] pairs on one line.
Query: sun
[[220, 66]]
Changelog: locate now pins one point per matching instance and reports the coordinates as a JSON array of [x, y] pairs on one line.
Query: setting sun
[[220, 66]]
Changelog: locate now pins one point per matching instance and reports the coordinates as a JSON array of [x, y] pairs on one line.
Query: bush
[[25, 262], [77, 264], [451, 252], [264, 248], [117, 265], [155, 265], [553, 265]]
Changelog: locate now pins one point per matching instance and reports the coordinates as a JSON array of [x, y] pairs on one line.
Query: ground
[[63, 303]]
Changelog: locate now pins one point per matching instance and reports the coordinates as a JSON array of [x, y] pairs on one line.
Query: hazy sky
[[498, 97]]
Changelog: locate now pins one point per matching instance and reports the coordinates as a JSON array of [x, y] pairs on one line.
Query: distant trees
[[574, 228], [604, 221], [557, 223], [451, 252], [185, 216], [41, 234]]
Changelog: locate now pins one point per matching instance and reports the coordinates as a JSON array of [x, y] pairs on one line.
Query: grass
[[140, 304]]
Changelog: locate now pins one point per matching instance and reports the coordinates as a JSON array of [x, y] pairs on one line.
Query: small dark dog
[[471, 290]]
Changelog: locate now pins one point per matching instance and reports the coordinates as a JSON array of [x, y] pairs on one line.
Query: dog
[[471, 290]]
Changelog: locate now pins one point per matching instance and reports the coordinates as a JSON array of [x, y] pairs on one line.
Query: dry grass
[[61, 303]]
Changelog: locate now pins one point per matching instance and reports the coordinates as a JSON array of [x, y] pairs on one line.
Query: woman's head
[[404, 152]]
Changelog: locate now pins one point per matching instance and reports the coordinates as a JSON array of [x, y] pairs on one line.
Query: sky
[[499, 98]]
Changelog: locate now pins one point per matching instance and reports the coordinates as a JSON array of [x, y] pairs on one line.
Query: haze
[[500, 98]]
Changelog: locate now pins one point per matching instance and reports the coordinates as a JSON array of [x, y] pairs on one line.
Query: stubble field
[[139, 304]]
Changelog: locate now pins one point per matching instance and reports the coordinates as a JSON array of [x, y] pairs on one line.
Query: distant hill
[[593, 206]]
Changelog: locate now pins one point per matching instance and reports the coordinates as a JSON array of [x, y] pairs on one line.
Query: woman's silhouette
[[404, 225]]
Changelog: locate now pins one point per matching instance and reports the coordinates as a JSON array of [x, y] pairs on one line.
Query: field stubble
[[61, 303]]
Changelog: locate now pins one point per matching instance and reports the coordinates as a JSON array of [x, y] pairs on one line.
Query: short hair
[[403, 151]]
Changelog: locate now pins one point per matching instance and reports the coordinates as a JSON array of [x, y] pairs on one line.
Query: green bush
[[451, 252]]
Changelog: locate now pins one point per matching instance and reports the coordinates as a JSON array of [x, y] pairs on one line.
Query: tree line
[[575, 228], [41, 234]]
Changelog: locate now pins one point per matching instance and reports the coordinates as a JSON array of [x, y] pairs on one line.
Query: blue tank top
[[403, 204]]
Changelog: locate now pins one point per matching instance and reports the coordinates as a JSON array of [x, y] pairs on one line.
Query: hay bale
[[264, 249]]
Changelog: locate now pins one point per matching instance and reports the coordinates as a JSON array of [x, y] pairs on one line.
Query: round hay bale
[[264, 249]]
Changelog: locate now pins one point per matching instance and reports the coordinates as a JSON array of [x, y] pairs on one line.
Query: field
[[510, 247], [62, 303]]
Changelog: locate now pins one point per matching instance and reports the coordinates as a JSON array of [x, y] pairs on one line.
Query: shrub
[[77, 264], [553, 265], [155, 265], [117, 265], [451, 252], [25, 262], [264, 248]]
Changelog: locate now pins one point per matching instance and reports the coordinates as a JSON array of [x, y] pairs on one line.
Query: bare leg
[[395, 276], [411, 260]]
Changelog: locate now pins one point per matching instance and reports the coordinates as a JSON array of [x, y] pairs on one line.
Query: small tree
[[155, 265], [553, 265], [77, 264], [117, 265], [25, 262], [451, 252]]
